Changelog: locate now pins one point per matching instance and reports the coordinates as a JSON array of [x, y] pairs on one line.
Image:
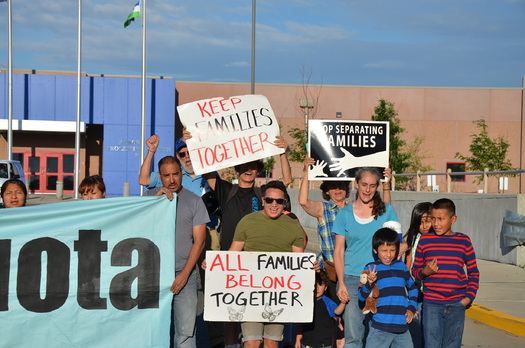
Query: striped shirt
[[454, 253], [393, 281]]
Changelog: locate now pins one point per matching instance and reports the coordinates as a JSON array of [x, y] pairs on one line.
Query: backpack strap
[[232, 193]]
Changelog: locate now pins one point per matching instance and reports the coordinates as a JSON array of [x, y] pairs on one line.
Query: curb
[[497, 319]]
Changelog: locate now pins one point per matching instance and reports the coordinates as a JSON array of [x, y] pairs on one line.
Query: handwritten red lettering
[[235, 148], [216, 106], [217, 262]]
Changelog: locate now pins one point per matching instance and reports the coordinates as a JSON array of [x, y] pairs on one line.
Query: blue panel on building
[[114, 102], [42, 97], [66, 98]]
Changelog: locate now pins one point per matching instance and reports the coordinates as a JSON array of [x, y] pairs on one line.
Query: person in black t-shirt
[[321, 331]]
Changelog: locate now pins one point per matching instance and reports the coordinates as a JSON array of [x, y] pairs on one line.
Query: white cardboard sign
[[227, 132], [259, 286]]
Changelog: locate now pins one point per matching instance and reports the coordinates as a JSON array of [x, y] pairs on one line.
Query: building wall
[[443, 116], [111, 109]]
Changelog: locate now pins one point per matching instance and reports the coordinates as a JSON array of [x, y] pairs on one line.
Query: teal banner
[[87, 273]]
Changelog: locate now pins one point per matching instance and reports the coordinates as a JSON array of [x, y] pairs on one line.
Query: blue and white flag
[[87, 273]]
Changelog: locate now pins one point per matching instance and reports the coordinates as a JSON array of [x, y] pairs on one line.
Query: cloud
[[242, 64], [386, 64]]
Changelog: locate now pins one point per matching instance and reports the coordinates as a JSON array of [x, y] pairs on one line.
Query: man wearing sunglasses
[[268, 230]]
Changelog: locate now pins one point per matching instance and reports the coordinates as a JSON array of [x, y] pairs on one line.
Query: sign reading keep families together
[[340, 147], [259, 287], [93, 273], [227, 132]]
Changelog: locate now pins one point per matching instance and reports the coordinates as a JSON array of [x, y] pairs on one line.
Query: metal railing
[[449, 173]]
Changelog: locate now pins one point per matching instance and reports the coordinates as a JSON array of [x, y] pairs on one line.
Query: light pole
[[306, 105], [254, 6]]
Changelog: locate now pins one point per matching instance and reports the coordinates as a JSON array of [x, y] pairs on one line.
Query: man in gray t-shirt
[[190, 236]]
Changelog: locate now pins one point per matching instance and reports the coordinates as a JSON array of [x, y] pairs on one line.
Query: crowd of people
[[419, 283]]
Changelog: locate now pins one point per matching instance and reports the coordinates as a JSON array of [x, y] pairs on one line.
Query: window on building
[[456, 167]]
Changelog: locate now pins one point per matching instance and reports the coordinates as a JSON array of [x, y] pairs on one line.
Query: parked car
[[11, 170]]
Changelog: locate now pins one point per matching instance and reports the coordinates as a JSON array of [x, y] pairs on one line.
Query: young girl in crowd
[[420, 223], [92, 187]]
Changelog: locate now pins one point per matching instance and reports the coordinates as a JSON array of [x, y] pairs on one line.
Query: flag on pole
[[134, 14]]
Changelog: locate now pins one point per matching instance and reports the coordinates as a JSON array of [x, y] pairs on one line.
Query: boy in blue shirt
[[320, 333], [389, 326]]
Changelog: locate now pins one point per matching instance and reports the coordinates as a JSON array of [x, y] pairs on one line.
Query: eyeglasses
[[270, 200], [183, 154]]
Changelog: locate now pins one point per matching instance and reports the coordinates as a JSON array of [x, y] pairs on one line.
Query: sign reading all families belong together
[[259, 287]]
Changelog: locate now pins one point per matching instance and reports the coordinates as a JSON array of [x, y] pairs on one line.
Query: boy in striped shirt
[[440, 262], [389, 327]]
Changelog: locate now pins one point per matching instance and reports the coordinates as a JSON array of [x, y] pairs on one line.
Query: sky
[[434, 43]]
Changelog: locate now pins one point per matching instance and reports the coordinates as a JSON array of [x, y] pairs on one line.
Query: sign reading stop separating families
[[341, 147], [259, 286], [227, 132]]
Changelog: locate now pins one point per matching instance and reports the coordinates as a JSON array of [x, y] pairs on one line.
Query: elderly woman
[[13, 193]]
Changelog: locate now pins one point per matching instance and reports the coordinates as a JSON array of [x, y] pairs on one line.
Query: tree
[[416, 157], [311, 94], [486, 152], [298, 147], [399, 160]]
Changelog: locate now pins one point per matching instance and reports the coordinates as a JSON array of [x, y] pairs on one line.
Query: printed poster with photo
[[341, 147], [259, 286], [227, 132]]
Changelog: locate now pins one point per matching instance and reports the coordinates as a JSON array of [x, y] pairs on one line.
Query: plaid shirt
[[324, 229]]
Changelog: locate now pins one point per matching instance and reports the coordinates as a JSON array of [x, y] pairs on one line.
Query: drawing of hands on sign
[[349, 161], [317, 169]]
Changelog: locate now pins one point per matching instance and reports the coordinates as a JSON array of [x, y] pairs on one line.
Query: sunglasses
[[183, 154], [279, 201]]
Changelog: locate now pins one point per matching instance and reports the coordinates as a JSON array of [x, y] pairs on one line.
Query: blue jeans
[[416, 328], [352, 316], [185, 313], [382, 339], [443, 324]]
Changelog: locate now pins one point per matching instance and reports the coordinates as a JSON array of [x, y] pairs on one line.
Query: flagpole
[[254, 12], [143, 118], [79, 85], [10, 83]]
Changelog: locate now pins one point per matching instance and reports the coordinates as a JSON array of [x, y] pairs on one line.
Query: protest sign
[[87, 273], [259, 286], [340, 147], [227, 132]]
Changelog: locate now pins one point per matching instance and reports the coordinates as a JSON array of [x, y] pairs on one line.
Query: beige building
[[443, 116]]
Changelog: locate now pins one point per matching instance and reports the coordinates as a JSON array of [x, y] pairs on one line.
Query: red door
[[44, 169]]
